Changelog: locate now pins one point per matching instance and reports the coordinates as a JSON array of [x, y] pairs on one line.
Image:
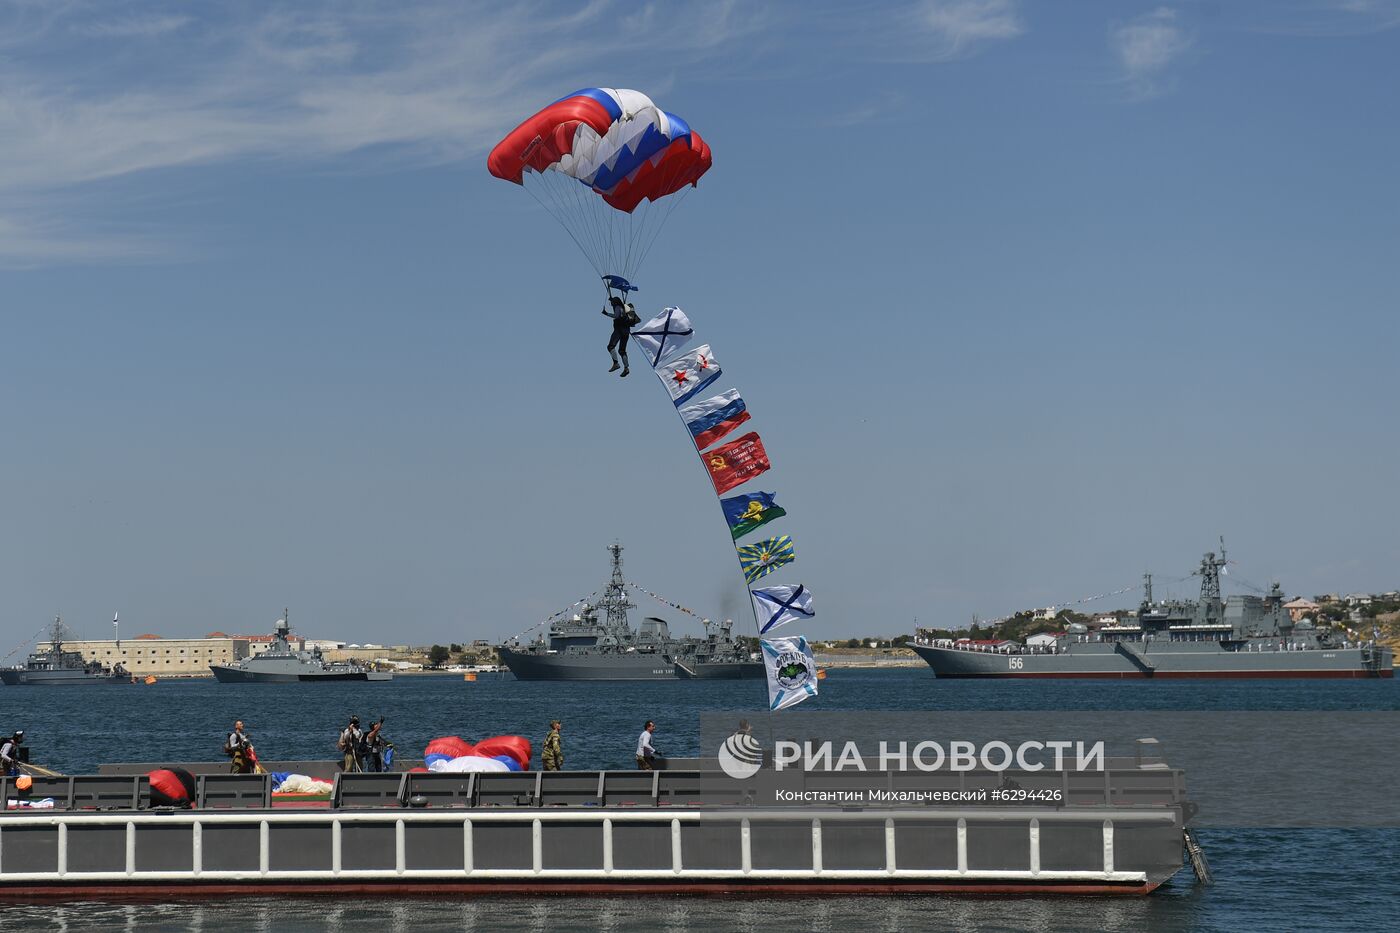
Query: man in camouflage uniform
[[553, 754]]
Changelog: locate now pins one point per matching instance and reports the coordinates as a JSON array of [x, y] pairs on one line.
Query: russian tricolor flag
[[715, 417]]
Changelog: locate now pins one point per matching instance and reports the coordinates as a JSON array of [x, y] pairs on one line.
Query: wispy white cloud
[[1146, 47], [29, 240], [134, 26], [958, 26], [871, 109], [86, 99], [1333, 18]]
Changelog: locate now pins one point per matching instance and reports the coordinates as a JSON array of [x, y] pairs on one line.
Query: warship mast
[[1211, 609], [614, 601]]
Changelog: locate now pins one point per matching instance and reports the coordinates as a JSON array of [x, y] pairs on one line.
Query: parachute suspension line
[[664, 213], [557, 213], [586, 219], [613, 245], [673, 202], [645, 232]]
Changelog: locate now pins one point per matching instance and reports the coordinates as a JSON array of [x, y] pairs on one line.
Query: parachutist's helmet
[[616, 301]]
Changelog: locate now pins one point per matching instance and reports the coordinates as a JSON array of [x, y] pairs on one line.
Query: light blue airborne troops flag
[[792, 671], [775, 605]]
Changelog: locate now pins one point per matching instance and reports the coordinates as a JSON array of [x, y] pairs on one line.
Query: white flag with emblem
[[776, 605], [792, 671], [663, 335], [686, 375]]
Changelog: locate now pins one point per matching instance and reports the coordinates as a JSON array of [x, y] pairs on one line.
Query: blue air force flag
[[686, 375], [761, 559], [663, 335], [777, 605], [792, 671]]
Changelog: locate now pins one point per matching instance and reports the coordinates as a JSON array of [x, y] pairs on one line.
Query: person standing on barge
[[553, 753], [239, 748], [646, 752], [349, 745]]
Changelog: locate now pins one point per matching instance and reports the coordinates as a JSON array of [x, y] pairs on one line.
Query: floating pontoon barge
[[1119, 831]]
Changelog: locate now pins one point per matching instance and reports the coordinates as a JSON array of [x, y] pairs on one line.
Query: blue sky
[[1025, 298]]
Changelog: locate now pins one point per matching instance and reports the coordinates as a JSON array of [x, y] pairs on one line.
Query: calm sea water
[[1266, 879]]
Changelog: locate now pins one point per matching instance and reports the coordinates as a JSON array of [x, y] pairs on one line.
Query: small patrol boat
[[54, 667], [282, 664]]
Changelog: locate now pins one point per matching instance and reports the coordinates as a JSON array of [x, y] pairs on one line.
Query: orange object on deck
[[150, 678]]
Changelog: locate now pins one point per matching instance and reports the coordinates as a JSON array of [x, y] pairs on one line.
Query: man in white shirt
[[646, 752]]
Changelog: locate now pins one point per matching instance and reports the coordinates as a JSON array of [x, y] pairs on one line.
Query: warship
[[1235, 637], [587, 648], [282, 664], [54, 667]]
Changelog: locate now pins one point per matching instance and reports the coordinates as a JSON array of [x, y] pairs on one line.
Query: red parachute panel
[[541, 140], [682, 163], [515, 746]]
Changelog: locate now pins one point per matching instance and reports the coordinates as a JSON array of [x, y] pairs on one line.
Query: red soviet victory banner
[[737, 462]]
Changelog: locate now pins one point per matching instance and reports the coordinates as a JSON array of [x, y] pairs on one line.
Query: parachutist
[[624, 317]]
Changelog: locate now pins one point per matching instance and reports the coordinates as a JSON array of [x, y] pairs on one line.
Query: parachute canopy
[[171, 787], [512, 752], [601, 160]]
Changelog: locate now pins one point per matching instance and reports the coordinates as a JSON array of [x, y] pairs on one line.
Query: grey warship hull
[[280, 664], [1238, 636], [234, 675], [1100, 660], [720, 670], [528, 666], [589, 648], [54, 667], [60, 678]]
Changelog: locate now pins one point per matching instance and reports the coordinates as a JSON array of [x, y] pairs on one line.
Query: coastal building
[[1301, 608], [259, 644], [163, 657]]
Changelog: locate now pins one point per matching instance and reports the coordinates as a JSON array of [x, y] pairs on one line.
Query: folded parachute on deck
[[512, 751], [515, 747], [172, 787], [467, 763]]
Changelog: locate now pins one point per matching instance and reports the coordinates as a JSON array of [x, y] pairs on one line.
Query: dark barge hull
[[1116, 832], [152, 891]]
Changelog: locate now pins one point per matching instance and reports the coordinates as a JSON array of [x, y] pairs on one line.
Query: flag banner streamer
[[558, 615], [791, 669], [666, 602], [713, 418], [737, 462], [686, 375], [777, 605], [1086, 599], [663, 335], [750, 510], [759, 560]]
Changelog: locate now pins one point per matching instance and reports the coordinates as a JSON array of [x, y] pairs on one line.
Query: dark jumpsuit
[[620, 332]]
